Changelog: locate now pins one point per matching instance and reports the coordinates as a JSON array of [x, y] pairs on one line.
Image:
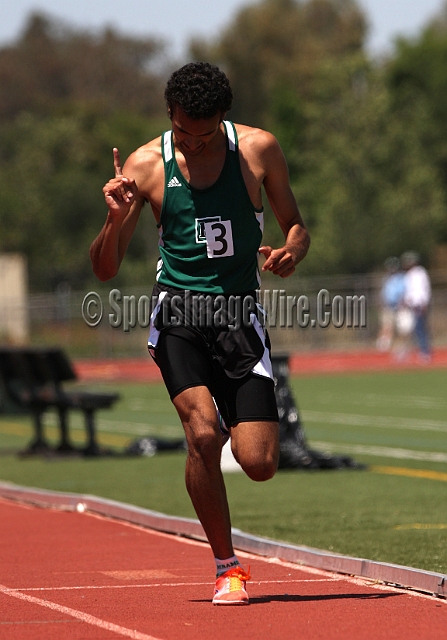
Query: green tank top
[[209, 238]]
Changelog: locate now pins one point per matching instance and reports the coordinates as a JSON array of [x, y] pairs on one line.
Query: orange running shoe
[[230, 587]]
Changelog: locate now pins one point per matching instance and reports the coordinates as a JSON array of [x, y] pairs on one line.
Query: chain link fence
[[318, 313]]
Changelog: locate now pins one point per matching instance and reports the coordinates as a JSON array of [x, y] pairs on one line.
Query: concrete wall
[[14, 325]]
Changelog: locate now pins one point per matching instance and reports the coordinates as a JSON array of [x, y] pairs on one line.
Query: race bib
[[219, 239]]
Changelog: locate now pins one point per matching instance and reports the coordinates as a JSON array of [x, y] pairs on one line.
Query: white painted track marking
[[165, 584], [79, 615]]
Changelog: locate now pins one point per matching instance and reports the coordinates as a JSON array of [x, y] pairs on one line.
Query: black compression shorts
[[185, 362]]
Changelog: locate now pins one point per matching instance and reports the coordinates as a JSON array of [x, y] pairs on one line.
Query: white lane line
[[15, 622], [79, 615], [384, 422], [163, 584], [382, 452]]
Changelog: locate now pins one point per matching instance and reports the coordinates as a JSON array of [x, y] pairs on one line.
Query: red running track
[[306, 363], [79, 576]]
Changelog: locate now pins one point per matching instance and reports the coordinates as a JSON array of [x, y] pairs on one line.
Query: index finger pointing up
[[117, 162]]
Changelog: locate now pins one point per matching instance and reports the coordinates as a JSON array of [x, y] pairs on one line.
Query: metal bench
[[32, 381]]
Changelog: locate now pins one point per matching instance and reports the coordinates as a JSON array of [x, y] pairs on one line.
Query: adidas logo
[[174, 182]]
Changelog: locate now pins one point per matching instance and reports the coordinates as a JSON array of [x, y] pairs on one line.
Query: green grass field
[[395, 511]]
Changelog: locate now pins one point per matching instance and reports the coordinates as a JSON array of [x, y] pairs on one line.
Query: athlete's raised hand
[[119, 192]]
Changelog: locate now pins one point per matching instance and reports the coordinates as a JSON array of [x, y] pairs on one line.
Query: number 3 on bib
[[219, 239]]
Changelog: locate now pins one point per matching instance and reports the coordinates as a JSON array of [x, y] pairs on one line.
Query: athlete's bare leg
[[255, 446], [204, 480]]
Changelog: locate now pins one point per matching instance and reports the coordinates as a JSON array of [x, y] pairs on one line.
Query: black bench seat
[[32, 380]]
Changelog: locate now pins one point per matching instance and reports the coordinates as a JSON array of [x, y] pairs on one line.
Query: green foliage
[[66, 99], [53, 170], [418, 73], [369, 188], [276, 44], [365, 141], [361, 164], [52, 65]]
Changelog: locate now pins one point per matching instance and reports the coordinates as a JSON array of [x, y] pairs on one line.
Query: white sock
[[223, 565]]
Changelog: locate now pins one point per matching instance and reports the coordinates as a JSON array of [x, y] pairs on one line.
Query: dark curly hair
[[201, 89]]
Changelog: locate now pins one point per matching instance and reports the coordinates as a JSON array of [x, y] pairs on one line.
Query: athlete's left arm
[[282, 261]]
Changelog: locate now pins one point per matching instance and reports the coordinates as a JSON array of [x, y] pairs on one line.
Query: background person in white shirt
[[417, 297]]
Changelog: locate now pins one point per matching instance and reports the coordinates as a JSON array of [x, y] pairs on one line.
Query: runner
[[203, 181]]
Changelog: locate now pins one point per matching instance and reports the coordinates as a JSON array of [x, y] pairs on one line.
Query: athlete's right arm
[[124, 207]]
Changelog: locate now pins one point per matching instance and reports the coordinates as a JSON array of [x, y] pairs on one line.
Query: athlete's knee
[[203, 442], [202, 437], [256, 448], [198, 415], [259, 468]]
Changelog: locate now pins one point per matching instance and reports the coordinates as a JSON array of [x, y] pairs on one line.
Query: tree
[[66, 99], [52, 66], [275, 47], [371, 187], [360, 164], [418, 73], [366, 143], [51, 180]]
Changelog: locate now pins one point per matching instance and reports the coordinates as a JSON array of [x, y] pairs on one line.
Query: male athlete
[[203, 181]]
